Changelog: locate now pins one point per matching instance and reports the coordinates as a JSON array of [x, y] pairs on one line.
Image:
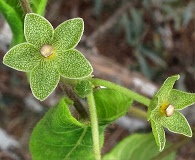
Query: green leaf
[[37, 30], [22, 57], [136, 147], [110, 105], [72, 64], [13, 17], [180, 99], [39, 6], [163, 92], [44, 79], [68, 34], [159, 134], [59, 136], [177, 123]]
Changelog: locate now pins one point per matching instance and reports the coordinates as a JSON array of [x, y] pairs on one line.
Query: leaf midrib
[[78, 142]]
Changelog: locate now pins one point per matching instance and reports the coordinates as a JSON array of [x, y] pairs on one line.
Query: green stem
[[125, 91], [94, 126], [25, 6], [137, 112]]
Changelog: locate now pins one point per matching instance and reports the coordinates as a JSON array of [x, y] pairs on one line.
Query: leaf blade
[[112, 107], [60, 136]]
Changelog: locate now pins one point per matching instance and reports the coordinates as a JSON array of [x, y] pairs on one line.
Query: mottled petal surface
[[177, 123], [22, 57], [68, 34], [37, 30], [163, 92], [44, 79], [72, 64], [159, 134], [180, 99]]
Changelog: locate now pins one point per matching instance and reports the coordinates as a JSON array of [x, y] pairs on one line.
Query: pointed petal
[[153, 104], [159, 134], [177, 123], [72, 64], [163, 92], [44, 79], [37, 30], [22, 57], [68, 34], [181, 100]]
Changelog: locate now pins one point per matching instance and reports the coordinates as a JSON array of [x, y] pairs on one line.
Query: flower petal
[[177, 123], [153, 104], [181, 100], [72, 64], [44, 79], [22, 57], [37, 30], [159, 134], [68, 34], [163, 92]]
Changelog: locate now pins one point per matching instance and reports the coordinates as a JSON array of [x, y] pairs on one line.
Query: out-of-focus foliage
[[145, 28]]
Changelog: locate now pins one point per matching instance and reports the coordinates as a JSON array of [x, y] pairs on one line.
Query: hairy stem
[[77, 104], [139, 98], [25, 6], [94, 126]]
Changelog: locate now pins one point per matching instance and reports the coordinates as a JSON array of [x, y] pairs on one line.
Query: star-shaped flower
[[49, 54], [164, 109]]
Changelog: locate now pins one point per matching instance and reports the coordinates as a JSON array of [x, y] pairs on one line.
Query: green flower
[[164, 109], [49, 54]]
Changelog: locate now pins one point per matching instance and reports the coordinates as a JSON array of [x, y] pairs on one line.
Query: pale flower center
[[47, 50], [167, 109]]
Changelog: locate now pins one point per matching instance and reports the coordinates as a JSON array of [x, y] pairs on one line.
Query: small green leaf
[[137, 147], [177, 123], [68, 34], [180, 99], [72, 64], [37, 30], [22, 57], [83, 88], [110, 105], [159, 134], [59, 136], [166, 88], [44, 79]]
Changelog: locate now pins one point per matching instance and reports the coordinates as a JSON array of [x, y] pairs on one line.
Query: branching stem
[[25, 6], [135, 96]]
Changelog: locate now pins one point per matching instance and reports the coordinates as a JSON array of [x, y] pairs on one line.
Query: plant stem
[[137, 112], [77, 104], [139, 98], [25, 6], [94, 126]]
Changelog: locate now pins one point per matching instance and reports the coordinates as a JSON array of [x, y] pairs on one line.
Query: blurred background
[[134, 43]]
